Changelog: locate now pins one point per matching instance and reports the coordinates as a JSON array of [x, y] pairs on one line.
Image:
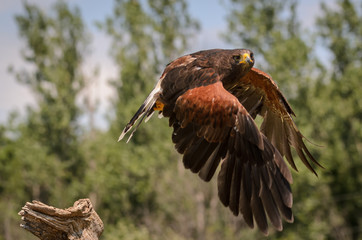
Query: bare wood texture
[[79, 222]]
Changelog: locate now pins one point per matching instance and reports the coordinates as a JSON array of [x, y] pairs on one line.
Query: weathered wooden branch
[[79, 222]]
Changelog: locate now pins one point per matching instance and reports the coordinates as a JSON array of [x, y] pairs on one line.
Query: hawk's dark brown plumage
[[211, 99]]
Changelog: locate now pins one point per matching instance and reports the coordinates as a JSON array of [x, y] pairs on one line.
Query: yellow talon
[[159, 106]]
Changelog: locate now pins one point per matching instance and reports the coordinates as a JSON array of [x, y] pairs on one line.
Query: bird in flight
[[211, 98]]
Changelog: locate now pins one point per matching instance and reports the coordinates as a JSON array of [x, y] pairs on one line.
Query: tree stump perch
[[79, 222]]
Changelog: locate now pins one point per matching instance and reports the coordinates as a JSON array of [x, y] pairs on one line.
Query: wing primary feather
[[283, 188], [201, 156], [305, 161], [192, 153], [235, 187], [255, 107], [305, 149], [208, 170], [224, 179], [128, 127], [284, 210], [286, 149], [182, 137], [245, 195], [252, 132], [256, 204], [149, 115], [272, 153], [268, 201], [146, 109]]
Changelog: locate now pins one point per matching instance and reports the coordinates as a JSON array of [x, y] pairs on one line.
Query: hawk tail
[[146, 110]]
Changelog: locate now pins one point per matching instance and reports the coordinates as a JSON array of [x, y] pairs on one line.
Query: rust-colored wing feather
[[211, 125], [260, 95]]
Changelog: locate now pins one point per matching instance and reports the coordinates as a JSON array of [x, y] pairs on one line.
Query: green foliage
[[55, 47], [341, 116], [39, 155]]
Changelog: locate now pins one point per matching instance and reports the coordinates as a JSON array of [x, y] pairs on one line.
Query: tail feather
[[146, 110]]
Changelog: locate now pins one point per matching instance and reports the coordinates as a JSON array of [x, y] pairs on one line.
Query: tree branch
[[79, 222]]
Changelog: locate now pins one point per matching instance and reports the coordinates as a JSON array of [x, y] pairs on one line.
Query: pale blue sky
[[13, 96]]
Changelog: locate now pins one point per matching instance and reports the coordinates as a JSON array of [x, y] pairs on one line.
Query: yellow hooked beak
[[245, 58]]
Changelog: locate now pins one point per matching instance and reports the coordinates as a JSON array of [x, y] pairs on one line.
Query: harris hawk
[[211, 98]]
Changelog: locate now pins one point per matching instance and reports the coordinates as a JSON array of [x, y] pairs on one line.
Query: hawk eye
[[237, 58], [251, 55]]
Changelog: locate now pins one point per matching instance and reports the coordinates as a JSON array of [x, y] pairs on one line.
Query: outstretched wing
[[259, 94], [210, 125]]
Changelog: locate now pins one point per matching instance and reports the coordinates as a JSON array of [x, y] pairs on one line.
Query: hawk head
[[242, 58], [239, 63]]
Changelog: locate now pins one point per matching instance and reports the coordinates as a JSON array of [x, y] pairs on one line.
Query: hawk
[[211, 98]]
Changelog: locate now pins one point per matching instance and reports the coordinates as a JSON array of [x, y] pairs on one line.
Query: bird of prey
[[211, 98]]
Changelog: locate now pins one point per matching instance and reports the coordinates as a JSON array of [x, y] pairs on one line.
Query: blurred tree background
[[140, 189]]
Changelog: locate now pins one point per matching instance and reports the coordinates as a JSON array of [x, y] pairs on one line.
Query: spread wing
[[259, 94], [211, 126]]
